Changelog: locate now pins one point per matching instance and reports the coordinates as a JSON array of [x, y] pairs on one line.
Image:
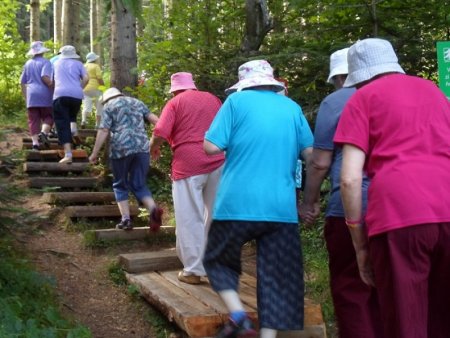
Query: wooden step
[[55, 155], [77, 197], [77, 211], [29, 167], [52, 146], [199, 311], [64, 182], [150, 261], [87, 133], [137, 233]]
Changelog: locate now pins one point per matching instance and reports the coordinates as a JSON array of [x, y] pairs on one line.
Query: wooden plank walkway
[[197, 309]]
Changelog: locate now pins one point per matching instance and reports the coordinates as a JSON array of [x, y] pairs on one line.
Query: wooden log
[[192, 307], [78, 197], [87, 133], [150, 261], [27, 139], [135, 234], [55, 155], [64, 182], [52, 146], [191, 315], [54, 167], [77, 211]]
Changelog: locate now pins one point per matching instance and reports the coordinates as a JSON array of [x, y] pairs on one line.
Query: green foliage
[[116, 273], [28, 302]]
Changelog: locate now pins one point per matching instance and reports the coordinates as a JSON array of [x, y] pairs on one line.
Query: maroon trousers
[[412, 275], [356, 305]]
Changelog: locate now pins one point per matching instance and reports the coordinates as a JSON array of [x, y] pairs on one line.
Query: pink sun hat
[[36, 48], [181, 81]]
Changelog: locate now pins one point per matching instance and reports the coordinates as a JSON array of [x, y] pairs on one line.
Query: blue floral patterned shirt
[[125, 118]]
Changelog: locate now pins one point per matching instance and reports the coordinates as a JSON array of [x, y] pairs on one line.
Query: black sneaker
[[35, 147], [125, 225], [243, 329], [43, 139]]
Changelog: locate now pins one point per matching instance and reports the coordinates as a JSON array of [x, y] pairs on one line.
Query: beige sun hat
[[91, 57], [368, 58], [36, 48], [110, 94], [68, 52], [338, 64], [254, 74]]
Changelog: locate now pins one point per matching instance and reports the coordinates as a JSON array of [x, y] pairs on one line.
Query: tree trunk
[[258, 24], [71, 23], [35, 29], [99, 21], [57, 26], [123, 47], [93, 23]]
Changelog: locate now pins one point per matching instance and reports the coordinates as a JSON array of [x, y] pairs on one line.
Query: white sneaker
[[66, 160]]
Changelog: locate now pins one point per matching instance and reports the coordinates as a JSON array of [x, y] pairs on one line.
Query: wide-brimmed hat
[[254, 74], [368, 58], [338, 64], [91, 57], [37, 47], [181, 81], [68, 52], [110, 94]]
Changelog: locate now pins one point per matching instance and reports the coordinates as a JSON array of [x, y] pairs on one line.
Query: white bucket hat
[[110, 94], [338, 64], [368, 58], [254, 74], [68, 52], [91, 57], [37, 47]]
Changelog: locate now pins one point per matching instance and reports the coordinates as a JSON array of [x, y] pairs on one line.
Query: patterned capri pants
[[280, 284]]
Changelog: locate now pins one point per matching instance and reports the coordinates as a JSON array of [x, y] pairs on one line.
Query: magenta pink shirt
[[402, 123], [183, 123]]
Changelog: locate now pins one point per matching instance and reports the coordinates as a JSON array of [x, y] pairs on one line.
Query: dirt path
[[87, 293]]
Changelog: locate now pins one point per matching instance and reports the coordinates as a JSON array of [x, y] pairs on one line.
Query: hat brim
[[70, 56], [365, 74], [177, 88], [255, 82], [41, 51], [339, 70], [106, 99], [93, 59]]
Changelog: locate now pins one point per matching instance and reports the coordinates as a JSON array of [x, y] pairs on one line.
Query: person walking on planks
[[124, 119], [183, 123], [356, 305], [70, 77], [397, 128], [37, 89], [263, 135]]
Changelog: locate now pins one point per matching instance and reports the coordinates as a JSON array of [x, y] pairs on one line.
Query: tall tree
[[35, 29], [57, 25], [71, 23], [123, 46]]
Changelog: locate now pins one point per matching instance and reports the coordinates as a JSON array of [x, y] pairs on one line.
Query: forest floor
[[82, 280]]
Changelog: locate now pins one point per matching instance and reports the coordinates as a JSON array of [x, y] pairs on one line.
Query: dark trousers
[[280, 286], [412, 274], [355, 303], [65, 110]]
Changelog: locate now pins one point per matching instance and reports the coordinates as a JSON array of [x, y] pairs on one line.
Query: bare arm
[[351, 191], [211, 148], [155, 144], [102, 135], [23, 86], [84, 81], [47, 80], [152, 118], [316, 172]]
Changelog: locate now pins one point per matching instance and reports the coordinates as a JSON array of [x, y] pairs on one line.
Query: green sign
[[443, 56]]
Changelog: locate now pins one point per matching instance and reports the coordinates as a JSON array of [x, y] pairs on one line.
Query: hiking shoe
[[76, 140], [155, 219], [66, 160], [36, 147], [43, 139], [125, 225], [243, 329], [190, 279]]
